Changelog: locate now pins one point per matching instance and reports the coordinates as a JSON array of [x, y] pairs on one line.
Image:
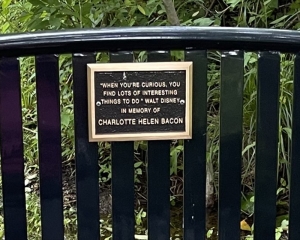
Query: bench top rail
[[149, 38]]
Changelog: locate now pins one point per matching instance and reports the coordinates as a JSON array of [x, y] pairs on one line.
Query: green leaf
[[179, 55], [277, 235], [209, 233], [247, 203], [4, 27], [136, 145], [251, 19], [295, 5], [86, 8], [5, 3], [173, 162], [279, 19], [283, 182], [68, 12], [271, 3], [285, 224], [65, 119], [173, 158], [247, 57], [288, 131], [37, 3], [195, 14], [248, 147], [151, 2], [143, 146], [55, 22], [137, 164], [232, 3], [217, 22], [142, 10], [25, 18], [280, 219], [132, 21], [203, 21], [127, 3], [274, 4], [37, 24]]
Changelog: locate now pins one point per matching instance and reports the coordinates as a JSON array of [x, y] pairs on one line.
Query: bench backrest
[[120, 43]]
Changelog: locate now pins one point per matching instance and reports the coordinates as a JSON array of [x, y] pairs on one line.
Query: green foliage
[[174, 154], [140, 215], [105, 162], [33, 215], [247, 204], [32, 15], [280, 231]]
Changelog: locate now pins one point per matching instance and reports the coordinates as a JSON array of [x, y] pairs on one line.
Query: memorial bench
[[157, 41]]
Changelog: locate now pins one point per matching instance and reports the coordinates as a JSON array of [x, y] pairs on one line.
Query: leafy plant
[[140, 216], [174, 154]]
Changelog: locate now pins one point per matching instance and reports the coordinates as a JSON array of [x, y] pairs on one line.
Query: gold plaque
[[139, 101]]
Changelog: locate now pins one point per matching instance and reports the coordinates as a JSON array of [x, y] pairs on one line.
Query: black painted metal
[[12, 161], [86, 155], [195, 153], [231, 135], [294, 211], [196, 40], [122, 178], [49, 135], [149, 38], [158, 175], [266, 145]]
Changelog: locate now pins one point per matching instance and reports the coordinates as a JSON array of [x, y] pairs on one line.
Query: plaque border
[[141, 66]]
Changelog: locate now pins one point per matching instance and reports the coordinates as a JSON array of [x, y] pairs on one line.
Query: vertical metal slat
[[50, 161], [12, 161], [159, 177], [195, 153], [294, 211], [231, 135], [122, 177], [86, 155], [266, 145]]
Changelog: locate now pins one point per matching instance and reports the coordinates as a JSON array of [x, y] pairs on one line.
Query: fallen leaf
[[245, 226]]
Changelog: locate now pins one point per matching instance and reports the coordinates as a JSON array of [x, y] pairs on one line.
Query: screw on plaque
[[98, 104], [124, 76], [182, 102]]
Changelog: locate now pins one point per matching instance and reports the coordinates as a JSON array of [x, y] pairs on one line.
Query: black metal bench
[[120, 42]]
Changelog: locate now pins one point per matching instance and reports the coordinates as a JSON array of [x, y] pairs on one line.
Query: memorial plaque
[[140, 101]]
